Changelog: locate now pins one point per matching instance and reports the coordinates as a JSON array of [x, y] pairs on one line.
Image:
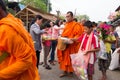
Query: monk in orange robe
[[17, 53], [72, 30]]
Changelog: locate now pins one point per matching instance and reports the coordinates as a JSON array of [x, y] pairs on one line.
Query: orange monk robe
[[16, 41], [71, 30]]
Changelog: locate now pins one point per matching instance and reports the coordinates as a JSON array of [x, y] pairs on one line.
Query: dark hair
[[94, 24], [53, 23], [88, 24], [47, 25], [70, 12], [32, 22], [64, 20], [75, 19], [57, 22], [38, 17], [2, 5]]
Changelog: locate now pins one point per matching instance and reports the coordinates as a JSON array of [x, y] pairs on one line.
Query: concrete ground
[[54, 73]]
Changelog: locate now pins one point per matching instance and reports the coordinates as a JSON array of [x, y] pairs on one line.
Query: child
[[114, 45], [102, 63], [89, 44], [46, 44]]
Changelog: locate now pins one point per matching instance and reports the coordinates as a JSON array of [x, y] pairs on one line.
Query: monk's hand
[[70, 41]]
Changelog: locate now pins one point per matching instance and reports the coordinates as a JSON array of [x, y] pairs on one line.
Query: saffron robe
[[72, 30], [20, 64]]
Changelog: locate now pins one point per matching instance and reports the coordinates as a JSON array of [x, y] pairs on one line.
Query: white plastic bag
[[114, 60], [102, 53]]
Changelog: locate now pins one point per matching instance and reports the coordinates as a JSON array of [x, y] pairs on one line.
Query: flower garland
[[104, 30]]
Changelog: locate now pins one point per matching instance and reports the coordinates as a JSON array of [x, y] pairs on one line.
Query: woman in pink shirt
[[55, 34]]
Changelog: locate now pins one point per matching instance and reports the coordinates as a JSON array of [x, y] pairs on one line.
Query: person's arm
[[19, 51], [117, 38], [37, 30], [112, 39], [79, 39], [93, 50]]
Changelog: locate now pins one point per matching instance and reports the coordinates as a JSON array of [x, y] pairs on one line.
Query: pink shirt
[[48, 42], [55, 32]]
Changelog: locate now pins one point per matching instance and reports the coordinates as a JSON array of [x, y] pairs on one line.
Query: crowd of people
[[20, 50]]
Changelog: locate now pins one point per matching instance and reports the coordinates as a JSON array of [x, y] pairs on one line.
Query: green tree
[[6, 1], [44, 5], [80, 17], [62, 17]]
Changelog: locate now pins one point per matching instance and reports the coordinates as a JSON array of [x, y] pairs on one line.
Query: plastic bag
[[102, 53], [79, 66], [114, 60]]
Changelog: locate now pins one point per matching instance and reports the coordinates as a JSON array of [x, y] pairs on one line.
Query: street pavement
[[54, 73]]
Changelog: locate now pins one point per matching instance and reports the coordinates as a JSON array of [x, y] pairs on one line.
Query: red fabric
[[85, 41]]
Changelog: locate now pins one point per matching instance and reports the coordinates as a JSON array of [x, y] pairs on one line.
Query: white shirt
[[118, 30]]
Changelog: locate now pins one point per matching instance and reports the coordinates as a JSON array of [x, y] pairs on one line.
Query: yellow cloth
[[71, 30], [108, 45], [16, 41]]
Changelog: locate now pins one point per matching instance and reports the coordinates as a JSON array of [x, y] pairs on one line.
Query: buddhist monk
[[17, 53], [72, 30]]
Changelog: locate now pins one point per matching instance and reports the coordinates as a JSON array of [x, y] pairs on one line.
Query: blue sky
[[97, 10]]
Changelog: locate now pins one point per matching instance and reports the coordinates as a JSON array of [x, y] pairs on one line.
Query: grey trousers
[[46, 50]]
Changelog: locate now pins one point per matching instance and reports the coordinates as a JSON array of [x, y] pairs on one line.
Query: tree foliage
[[80, 17], [40, 4], [6, 1]]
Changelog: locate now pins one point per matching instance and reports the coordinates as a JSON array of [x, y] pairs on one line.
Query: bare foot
[[104, 78], [40, 63]]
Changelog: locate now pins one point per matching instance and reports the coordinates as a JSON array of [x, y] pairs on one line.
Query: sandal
[[48, 67], [63, 74], [52, 63]]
